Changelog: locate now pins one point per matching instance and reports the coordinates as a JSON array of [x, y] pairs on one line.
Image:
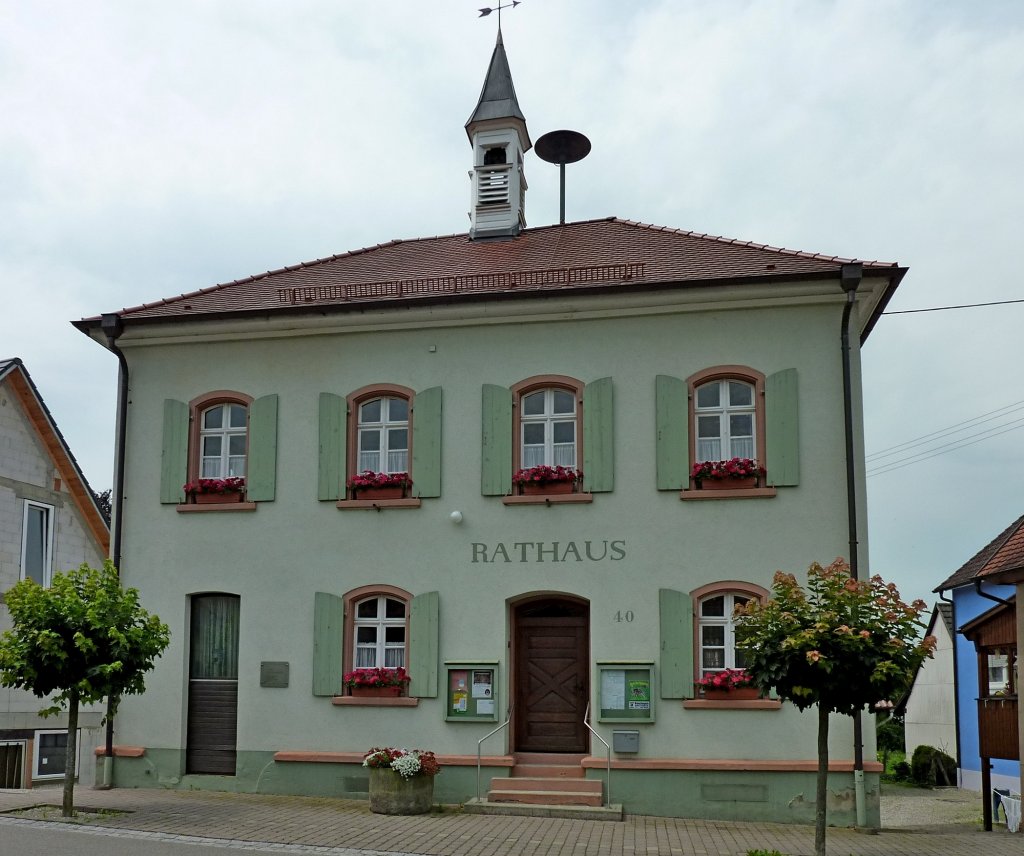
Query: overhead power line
[[925, 439], [943, 450], [944, 308]]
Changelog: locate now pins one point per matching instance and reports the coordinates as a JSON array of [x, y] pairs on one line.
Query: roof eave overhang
[[92, 326]]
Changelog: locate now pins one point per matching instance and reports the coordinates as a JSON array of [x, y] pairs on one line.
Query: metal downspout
[[850, 277], [113, 327], [956, 681]]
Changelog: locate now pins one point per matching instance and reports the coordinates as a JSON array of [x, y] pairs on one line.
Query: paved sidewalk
[[338, 823]]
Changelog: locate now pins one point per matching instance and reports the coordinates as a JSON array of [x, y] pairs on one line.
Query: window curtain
[[214, 640]]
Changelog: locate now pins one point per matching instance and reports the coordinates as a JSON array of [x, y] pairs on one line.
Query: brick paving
[[348, 824]]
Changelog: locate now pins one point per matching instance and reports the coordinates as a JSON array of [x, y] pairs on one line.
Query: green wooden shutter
[[328, 643], [675, 612], [599, 436], [331, 469], [426, 443], [672, 443], [782, 428], [261, 478], [423, 645], [496, 440], [174, 457]]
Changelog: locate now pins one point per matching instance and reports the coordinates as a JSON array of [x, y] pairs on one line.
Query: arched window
[[379, 631], [715, 626], [383, 435], [547, 419], [726, 420], [223, 432]]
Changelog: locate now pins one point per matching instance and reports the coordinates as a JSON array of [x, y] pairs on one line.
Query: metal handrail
[[479, 744], [608, 769]]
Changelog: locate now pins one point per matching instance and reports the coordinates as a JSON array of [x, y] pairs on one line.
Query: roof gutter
[[112, 326], [987, 596]]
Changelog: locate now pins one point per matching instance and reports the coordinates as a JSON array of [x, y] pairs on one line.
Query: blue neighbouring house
[[984, 594]]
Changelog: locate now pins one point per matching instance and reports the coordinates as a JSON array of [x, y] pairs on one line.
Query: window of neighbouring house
[[51, 754], [37, 542]]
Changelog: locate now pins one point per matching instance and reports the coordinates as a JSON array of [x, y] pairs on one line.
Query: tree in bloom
[[841, 645]]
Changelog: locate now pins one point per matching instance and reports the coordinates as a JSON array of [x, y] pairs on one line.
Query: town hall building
[[477, 458]]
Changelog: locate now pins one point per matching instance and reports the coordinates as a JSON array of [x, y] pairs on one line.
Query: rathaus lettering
[[554, 551]]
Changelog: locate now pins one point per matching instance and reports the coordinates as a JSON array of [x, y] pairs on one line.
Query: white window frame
[[726, 621], [382, 429], [548, 419], [48, 546], [380, 624], [724, 411], [37, 772], [225, 432]]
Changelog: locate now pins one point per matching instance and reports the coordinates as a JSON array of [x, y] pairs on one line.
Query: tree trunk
[[69, 757], [821, 792]]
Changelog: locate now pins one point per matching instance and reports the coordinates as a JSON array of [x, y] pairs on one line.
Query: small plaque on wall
[[273, 674]]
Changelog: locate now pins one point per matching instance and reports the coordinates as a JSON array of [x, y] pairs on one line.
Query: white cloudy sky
[[150, 148]]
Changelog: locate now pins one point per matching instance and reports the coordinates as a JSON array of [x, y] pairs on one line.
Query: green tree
[[80, 640], [842, 645]]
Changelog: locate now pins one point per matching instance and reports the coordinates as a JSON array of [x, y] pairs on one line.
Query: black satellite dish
[[562, 147]]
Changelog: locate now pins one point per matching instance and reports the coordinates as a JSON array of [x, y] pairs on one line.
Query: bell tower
[[497, 132]]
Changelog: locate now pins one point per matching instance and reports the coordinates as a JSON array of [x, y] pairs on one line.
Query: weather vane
[[485, 12]]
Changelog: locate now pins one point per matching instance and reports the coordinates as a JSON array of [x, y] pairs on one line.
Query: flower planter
[[738, 694], [727, 484], [211, 498], [546, 488], [385, 492], [376, 692], [390, 793]]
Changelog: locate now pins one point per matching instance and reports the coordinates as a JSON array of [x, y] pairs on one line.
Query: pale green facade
[[277, 557]]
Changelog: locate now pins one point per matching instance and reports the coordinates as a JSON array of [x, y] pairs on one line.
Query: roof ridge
[[989, 552], [738, 242]]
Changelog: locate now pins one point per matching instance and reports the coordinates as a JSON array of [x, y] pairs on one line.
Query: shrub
[[930, 766], [901, 771], [890, 736]]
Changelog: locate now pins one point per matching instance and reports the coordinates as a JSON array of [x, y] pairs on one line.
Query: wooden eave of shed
[[996, 628]]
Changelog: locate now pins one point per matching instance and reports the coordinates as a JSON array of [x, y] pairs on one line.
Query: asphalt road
[[43, 839]]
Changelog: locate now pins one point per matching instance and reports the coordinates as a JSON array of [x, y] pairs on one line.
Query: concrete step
[[544, 783], [543, 797], [561, 759], [549, 771], [569, 812]]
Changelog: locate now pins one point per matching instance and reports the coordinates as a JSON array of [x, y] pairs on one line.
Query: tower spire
[[499, 137]]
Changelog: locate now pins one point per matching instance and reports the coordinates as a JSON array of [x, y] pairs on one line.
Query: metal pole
[[561, 194]]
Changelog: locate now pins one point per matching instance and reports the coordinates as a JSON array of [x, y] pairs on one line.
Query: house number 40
[[626, 616]]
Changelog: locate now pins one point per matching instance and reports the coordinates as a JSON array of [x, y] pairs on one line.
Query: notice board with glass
[[471, 693], [626, 692]]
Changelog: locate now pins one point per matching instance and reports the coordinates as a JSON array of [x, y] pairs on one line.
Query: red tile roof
[[585, 255], [1003, 555]]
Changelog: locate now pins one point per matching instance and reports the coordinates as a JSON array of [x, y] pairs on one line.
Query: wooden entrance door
[[213, 685], [551, 682]]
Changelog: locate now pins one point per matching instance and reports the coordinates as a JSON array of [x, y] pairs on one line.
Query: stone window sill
[[215, 507], [352, 701], [723, 704], [378, 504], [741, 493], [549, 499]]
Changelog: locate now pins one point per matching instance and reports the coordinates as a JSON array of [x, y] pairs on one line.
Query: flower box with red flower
[[731, 684], [209, 491], [734, 474], [371, 485], [542, 480], [376, 682]]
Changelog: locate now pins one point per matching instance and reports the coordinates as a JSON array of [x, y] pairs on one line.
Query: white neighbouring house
[[930, 706], [49, 522]]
